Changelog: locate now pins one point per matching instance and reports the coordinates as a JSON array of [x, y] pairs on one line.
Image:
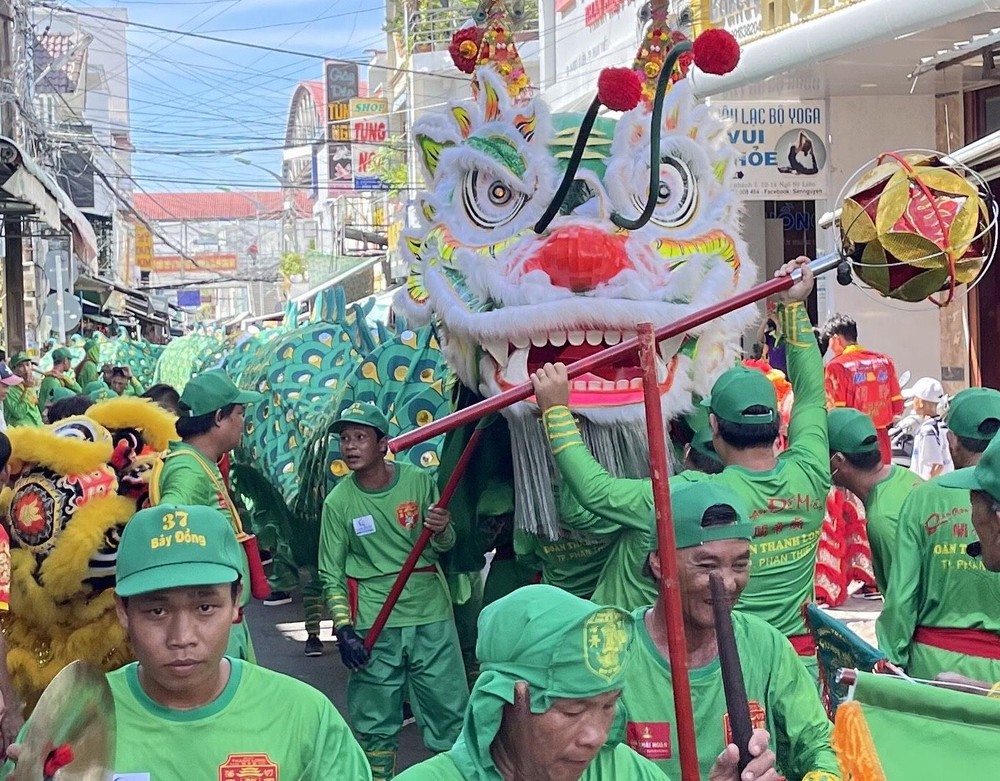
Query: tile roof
[[237, 204], [48, 48]]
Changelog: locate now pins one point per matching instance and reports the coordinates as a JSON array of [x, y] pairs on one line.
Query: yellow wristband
[[994, 692]]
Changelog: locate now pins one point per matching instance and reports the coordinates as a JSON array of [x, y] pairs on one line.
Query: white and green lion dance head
[[509, 292]]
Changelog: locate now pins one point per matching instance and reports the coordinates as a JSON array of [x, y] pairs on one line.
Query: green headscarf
[[560, 645]]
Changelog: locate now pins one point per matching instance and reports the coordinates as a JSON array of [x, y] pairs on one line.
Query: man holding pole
[[371, 520], [713, 534], [20, 407], [785, 495]]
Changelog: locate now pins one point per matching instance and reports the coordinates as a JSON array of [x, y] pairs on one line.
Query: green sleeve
[[444, 541], [807, 436], [44, 389], [183, 482], [18, 410], [804, 731], [332, 564], [623, 501], [336, 754], [896, 625]]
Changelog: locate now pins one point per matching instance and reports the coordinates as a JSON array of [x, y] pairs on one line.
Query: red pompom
[[716, 51], [464, 48], [619, 88]]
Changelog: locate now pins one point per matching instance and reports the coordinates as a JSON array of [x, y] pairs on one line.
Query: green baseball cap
[[169, 546], [984, 476], [688, 504], [19, 358], [61, 354], [851, 431], [211, 391], [737, 390], [362, 413], [970, 409]]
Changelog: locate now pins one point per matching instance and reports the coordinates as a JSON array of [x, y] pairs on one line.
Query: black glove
[[353, 653]]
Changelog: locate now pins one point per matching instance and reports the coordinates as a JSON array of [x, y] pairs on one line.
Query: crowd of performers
[[569, 674]]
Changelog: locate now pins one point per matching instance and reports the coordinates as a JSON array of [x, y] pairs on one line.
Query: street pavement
[[279, 639]]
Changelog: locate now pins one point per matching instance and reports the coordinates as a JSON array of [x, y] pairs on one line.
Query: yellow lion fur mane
[[55, 618]]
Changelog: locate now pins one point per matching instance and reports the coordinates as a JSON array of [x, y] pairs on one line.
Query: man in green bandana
[[552, 670], [713, 533], [856, 464], [57, 377], [785, 494], [940, 609], [20, 407], [210, 425], [371, 521]]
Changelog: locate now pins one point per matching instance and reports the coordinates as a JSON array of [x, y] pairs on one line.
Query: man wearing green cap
[[57, 377], [941, 606], [371, 521], [210, 425], [856, 464], [713, 533], [20, 407], [88, 370], [785, 494], [184, 710], [553, 667]]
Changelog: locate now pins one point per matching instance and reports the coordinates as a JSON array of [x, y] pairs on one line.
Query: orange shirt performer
[[862, 379]]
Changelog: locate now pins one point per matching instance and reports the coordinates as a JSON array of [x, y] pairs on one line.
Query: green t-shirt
[[782, 694], [187, 477], [87, 373], [619, 570], [367, 535], [610, 764], [787, 503], [52, 381], [882, 514], [573, 563], [935, 583], [263, 725], [20, 408]]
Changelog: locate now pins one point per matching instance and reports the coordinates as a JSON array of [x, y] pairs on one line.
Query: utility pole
[[13, 271]]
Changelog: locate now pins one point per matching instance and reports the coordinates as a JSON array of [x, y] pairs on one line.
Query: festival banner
[[898, 730], [838, 647]]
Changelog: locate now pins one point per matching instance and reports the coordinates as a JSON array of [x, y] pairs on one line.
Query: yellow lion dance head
[[77, 483]]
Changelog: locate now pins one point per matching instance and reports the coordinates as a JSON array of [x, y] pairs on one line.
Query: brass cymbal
[[75, 710]]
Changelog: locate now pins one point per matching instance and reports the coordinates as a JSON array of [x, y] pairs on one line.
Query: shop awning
[[853, 27], [31, 183]]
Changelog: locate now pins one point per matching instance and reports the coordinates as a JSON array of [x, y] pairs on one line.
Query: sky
[[191, 96]]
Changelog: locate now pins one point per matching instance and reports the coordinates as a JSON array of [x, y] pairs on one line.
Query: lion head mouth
[[613, 384]]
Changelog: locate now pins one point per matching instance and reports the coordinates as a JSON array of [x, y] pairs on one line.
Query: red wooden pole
[[608, 355], [670, 595], [425, 537]]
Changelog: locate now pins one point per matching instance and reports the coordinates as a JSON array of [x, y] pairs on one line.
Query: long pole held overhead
[[610, 354], [670, 595]]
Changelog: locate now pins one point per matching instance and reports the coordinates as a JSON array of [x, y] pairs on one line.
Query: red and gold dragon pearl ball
[[924, 226]]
